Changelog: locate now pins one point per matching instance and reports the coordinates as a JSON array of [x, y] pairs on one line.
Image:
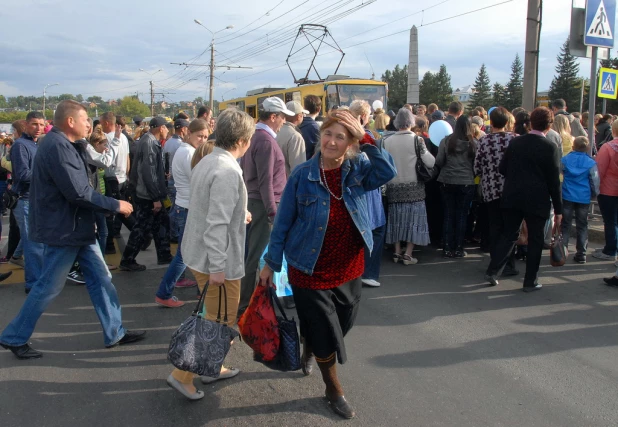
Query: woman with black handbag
[[407, 215], [214, 240], [323, 226]]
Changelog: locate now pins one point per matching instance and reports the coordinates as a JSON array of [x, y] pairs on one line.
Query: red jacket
[[607, 162]]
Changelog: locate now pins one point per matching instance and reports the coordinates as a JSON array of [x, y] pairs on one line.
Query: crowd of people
[[326, 192]]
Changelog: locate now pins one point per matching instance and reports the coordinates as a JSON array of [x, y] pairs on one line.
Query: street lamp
[[151, 88], [212, 61], [45, 92]]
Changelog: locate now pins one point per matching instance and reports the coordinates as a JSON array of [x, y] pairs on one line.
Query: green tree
[[3, 103], [95, 99], [482, 90], [199, 100], [444, 91], [130, 106], [79, 98], [499, 97], [64, 97], [427, 89], [564, 85], [397, 86], [515, 86]]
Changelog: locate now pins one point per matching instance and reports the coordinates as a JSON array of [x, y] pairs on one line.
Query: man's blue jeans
[[33, 251], [56, 265], [177, 267], [373, 261]]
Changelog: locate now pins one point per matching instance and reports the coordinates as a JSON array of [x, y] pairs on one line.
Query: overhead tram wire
[[270, 45], [233, 33], [379, 38]]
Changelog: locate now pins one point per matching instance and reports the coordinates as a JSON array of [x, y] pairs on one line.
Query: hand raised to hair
[[351, 123]]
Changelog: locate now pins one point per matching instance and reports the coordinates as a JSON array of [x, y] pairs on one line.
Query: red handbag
[[258, 326]]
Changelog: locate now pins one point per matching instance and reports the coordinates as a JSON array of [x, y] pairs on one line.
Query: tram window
[[251, 110]]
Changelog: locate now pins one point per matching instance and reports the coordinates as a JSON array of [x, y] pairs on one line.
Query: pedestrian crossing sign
[[600, 23], [607, 83]]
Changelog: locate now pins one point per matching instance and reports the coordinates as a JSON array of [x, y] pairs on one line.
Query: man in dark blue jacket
[[309, 128], [62, 219], [22, 158]]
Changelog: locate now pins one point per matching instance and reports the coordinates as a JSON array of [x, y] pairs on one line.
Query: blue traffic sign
[[600, 23], [607, 83]]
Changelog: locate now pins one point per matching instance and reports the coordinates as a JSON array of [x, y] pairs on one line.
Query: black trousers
[[146, 221], [114, 222], [496, 228], [14, 236], [503, 249]]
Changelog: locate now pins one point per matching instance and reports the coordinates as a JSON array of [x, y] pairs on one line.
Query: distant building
[[542, 99], [463, 94]]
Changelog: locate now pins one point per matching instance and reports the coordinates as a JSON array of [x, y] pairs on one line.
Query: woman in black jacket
[[531, 166], [604, 130]]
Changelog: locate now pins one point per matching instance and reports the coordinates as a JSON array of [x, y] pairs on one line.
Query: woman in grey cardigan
[[214, 240], [407, 216], [456, 162]]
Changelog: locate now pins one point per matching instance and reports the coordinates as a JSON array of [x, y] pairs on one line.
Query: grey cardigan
[[214, 237]]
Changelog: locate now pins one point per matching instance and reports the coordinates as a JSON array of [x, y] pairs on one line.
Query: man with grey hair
[[290, 139], [264, 173], [63, 205]]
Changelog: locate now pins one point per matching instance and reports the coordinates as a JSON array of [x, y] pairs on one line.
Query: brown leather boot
[[334, 391]]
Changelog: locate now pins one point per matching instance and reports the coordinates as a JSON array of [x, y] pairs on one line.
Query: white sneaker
[[605, 257], [371, 282]]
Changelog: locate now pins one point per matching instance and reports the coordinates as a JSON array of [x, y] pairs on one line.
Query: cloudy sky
[[97, 48]]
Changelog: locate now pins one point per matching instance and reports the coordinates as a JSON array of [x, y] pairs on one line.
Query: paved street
[[432, 347]]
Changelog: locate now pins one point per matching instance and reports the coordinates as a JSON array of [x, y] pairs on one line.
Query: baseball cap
[[296, 108], [276, 105], [181, 123], [158, 121], [437, 115], [138, 119]]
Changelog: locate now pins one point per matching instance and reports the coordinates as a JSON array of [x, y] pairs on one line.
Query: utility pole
[[151, 99], [531, 58]]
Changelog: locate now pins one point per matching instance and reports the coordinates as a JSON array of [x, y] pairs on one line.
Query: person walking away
[[490, 153], [580, 184], [181, 168], [214, 243], [322, 228], [604, 131], [62, 220], [456, 162], [361, 110], [181, 129], [264, 173], [607, 162], [148, 177], [531, 170], [309, 128], [562, 126], [455, 110], [407, 216], [23, 153], [290, 139]]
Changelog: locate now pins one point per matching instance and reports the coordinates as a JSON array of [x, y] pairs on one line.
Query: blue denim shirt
[[302, 217]]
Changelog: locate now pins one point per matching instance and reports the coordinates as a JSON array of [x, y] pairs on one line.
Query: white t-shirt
[[181, 169], [120, 147]]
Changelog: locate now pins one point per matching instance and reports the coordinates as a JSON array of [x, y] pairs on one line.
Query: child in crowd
[[580, 184]]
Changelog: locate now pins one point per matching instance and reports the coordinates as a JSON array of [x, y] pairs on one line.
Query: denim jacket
[[302, 217]]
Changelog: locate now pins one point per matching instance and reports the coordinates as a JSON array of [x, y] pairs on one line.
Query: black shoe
[[165, 260], [447, 254], [580, 258], [460, 254], [110, 250], [341, 407], [612, 281], [535, 287], [23, 351], [76, 277], [510, 272], [5, 276], [131, 266], [129, 337], [492, 279]]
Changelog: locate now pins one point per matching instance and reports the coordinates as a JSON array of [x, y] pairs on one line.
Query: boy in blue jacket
[[581, 183]]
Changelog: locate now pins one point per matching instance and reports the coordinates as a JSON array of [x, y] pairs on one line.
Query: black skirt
[[326, 316]]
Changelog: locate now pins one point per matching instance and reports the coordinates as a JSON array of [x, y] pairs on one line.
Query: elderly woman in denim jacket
[[322, 227]]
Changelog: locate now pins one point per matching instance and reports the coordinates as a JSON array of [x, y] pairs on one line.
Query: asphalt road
[[432, 347]]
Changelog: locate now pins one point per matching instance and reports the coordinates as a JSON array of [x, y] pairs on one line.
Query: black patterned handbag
[[423, 173], [288, 357], [200, 345]]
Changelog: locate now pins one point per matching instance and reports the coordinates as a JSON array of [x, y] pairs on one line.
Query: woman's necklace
[[326, 183]]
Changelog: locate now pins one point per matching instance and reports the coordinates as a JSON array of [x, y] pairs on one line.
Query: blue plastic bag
[[280, 279]]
